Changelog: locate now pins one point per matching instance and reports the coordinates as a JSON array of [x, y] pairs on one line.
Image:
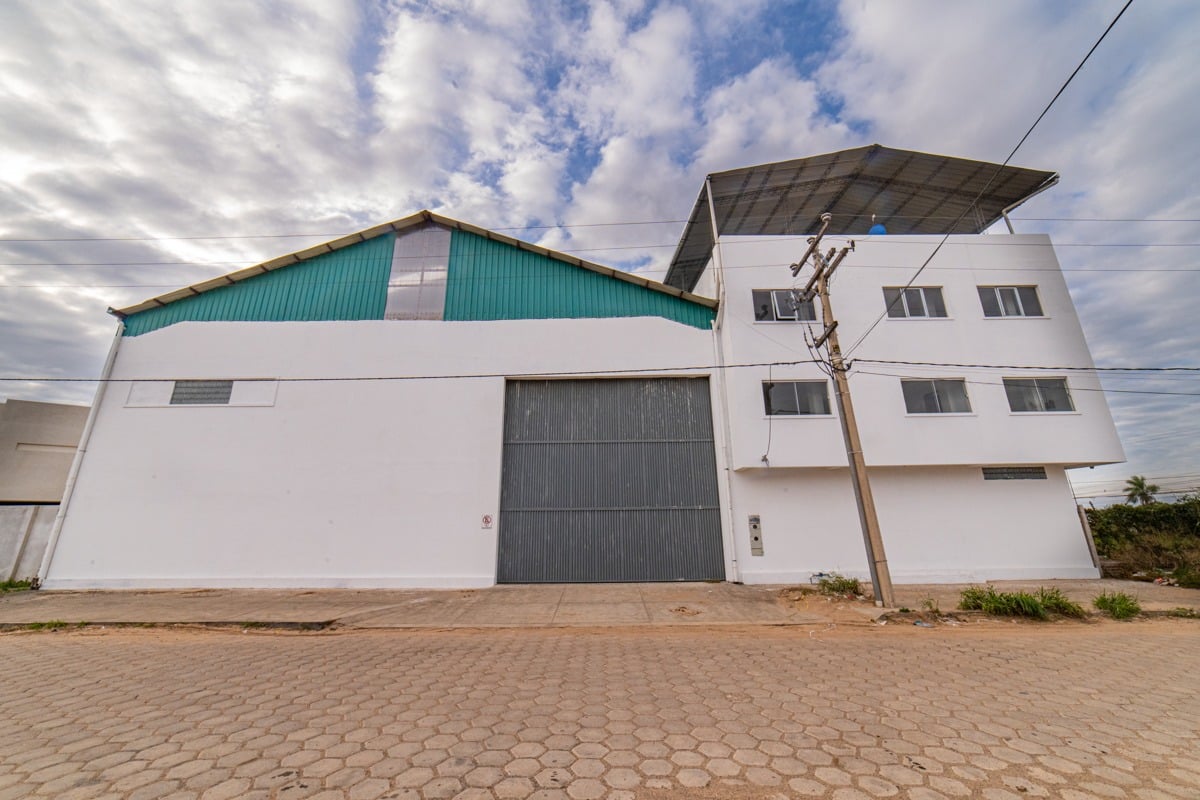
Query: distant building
[[429, 403], [37, 443]]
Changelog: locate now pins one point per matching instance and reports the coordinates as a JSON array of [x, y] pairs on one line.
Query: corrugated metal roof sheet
[[339, 284], [346, 284], [346, 279], [907, 191], [492, 280]]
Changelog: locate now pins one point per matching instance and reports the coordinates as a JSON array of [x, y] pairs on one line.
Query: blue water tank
[[877, 230]]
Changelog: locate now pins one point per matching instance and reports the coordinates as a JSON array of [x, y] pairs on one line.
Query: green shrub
[[972, 597], [1001, 604], [1154, 537], [1117, 605], [1122, 522], [1016, 604], [52, 625], [1187, 576], [1054, 601], [840, 585], [14, 586]]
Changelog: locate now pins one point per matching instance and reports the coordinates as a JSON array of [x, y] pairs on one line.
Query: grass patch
[[1042, 604], [1055, 602], [839, 585], [51, 625], [1187, 576], [1001, 604], [1183, 612], [15, 586], [1117, 605]]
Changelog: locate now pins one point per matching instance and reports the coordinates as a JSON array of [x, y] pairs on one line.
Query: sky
[[148, 145]]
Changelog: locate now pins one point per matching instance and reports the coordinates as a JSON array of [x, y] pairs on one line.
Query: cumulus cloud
[[221, 118]]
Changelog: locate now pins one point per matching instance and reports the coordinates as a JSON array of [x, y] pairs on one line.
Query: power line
[[227, 264], [554, 374], [1181, 490], [461, 376], [1099, 219], [987, 185], [1073, 388], [556, 226], [1093, 270], [891, 241], [1185, 476], [1026, 366]]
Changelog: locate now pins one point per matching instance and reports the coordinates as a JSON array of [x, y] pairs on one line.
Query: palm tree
[[1138, 491]]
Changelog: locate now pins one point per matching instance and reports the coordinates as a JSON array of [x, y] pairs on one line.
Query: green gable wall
[[347, 284], [487, 280], [490, 280]]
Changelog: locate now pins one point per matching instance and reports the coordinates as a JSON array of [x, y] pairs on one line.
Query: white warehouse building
[[431, 404]]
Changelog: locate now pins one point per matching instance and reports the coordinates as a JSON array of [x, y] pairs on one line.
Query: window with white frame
[[1038, 394], [936, 396], [915, 302], [796, 398], [1010, 301], [780, 305]]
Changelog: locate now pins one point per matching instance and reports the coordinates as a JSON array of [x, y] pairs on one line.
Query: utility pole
[[823, 268]]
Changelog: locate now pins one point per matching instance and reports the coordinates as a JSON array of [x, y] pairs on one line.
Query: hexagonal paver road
[[1070, 711]]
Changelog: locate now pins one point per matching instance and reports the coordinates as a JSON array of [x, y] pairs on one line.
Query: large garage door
[[609, 480]]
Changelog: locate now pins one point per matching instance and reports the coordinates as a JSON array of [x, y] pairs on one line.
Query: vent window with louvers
[[1014, 473], [197, 393]]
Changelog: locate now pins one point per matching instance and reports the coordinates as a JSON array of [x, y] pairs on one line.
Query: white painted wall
[[991, 434], [24, 531], [939, 525], [941, 521], [337, 483], [37, 443], [384, 483]]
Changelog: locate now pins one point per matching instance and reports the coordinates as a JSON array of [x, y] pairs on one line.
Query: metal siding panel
[[609, 480], [320, 288], [492, 280]]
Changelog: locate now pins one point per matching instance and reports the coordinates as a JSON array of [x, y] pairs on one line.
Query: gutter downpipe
[[719, 347], [73, 475], [1051, 183]]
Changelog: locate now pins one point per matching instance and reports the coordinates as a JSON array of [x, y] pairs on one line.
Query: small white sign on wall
[[486, 521]]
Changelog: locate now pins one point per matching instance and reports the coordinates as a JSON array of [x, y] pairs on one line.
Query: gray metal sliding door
[[609, 480]]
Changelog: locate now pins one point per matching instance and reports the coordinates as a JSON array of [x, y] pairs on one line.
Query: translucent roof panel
[[906, 191]]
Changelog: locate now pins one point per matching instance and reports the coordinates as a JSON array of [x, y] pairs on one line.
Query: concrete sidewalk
[[538, 605], [542, 605]]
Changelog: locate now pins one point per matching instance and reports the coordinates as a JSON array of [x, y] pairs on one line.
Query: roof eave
[[397, 225]]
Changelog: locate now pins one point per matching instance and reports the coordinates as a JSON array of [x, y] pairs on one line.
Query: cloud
[[132, 118], [759, 117], [631, 79]]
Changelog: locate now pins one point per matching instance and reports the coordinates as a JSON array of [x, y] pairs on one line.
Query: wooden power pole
[[823, 266]]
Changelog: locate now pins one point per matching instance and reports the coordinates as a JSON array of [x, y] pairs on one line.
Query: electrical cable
[[649, 371], [252, 262], [1025, 366], [850, 350], [1073, 389]]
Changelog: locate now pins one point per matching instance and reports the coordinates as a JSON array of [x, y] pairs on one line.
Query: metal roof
[[420, 218], [906, 191]]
